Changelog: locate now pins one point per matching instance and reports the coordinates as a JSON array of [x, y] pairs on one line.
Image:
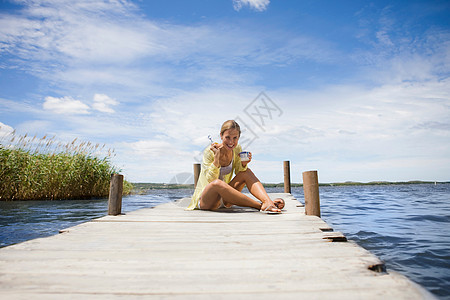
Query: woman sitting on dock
[[216, 188]]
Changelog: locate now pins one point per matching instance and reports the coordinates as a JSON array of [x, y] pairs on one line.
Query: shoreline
[[140, 186]]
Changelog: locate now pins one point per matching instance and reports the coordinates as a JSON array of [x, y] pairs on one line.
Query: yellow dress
[[210, 172]]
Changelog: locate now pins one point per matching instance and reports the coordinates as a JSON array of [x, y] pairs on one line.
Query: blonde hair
[[230, 124]]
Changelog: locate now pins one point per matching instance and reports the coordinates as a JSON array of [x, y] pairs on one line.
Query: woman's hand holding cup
[[246, 157]]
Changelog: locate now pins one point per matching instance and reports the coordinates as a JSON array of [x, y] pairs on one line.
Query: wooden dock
[[167, 252]]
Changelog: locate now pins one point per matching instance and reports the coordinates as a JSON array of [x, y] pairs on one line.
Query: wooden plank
[[173, 253]]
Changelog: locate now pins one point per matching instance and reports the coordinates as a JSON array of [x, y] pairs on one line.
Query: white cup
[[244, 156]]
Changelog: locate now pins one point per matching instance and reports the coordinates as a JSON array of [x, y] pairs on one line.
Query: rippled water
[[404, 225]]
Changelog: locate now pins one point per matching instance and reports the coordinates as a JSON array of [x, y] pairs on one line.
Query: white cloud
[[157, 149], [190, 117], [73, 35], [65, 105], [102, 103], [391, 53], [71, 31], [347, 132], [155, 160], [69, 105], [36, 127], [5, 130], [258, 5]]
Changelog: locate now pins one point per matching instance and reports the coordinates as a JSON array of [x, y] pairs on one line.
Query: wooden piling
[[311, 192], [115, 195], [197, 169], [287, 177]]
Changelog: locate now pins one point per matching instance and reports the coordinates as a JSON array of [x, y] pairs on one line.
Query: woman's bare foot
[[279, 203], [269, 207]]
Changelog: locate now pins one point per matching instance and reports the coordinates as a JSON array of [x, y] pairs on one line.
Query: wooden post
[[311, 192], [115, 195], [287, 177], [197, 168]]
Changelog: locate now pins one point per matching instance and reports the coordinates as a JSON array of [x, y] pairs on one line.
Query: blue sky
[[358, 90]]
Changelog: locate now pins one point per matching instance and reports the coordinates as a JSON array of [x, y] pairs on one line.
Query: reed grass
[[34, 168]]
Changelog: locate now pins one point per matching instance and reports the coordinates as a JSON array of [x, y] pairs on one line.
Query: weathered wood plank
[[172, 253]]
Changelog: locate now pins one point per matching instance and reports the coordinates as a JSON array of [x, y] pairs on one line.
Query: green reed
[[44, 168]]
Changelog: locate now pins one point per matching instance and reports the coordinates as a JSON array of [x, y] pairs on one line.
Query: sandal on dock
[[269, 211]]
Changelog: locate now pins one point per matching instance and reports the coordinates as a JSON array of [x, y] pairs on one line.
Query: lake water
[[406, 226]]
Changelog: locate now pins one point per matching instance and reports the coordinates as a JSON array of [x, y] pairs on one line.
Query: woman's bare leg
[[254, 186], [210, 198]]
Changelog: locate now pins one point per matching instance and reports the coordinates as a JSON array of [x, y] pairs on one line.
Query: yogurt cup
[[244, 156]]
